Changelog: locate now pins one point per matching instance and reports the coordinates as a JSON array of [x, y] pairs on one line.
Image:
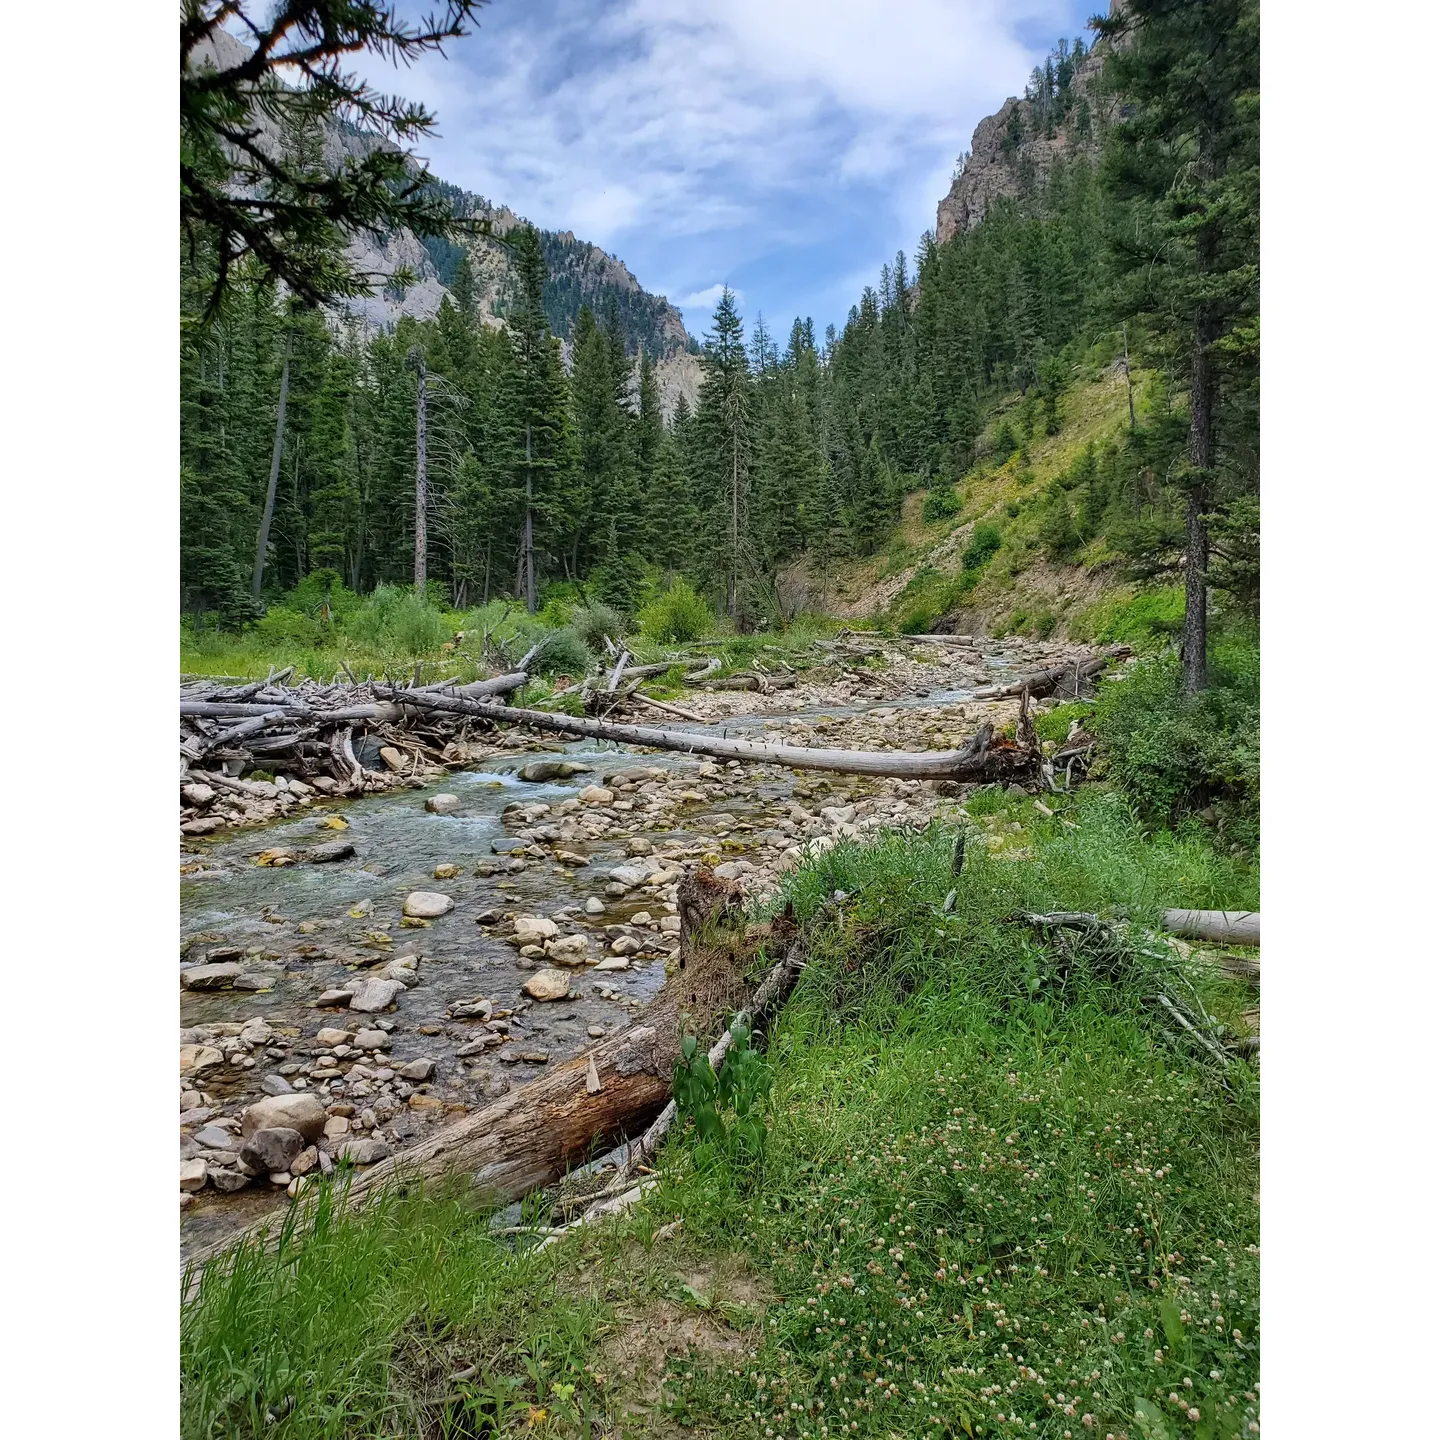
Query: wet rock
[[596, 795], [445, 872], [195, 1058], [569, 949], [478, 1009], [256, 1033], [205, 825], [301, 1112], [210, 977], [272, 1149], [531, 929], [228, 1181], [629, 877], [625, 945], [364, 1151], [539, 771], [192, 1175], [427, 904], [594, 906], [372, 1040], [443, 804], [615, 962], [547, 984], [638, 845], [336, 997], [571, 857], [595, 1032], [276, 1085], [417, 1070], [490, 917], [372, 996], [325, 854]]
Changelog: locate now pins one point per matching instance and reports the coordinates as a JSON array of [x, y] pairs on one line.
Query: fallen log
[[966, 640], [970, 763], [1044, 682], [666, 709], [1221, 927], [534, 1135]]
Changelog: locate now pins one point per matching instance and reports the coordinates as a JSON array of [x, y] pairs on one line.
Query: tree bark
[[529, 528], [268, 514], [422, 486], [1221, 927]]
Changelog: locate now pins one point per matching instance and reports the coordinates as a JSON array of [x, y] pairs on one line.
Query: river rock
[[197, 794], [303, 1112], [531, 929], [214, 1137], [571, 857], [372, 996], [547, 984], [417, 1070], [335, 850], [372, 1040], [195, 1058], [569, 949], [539, 771], [443, 804], [204, 825], [363, 1152], [192, 1174], [393, 758], [445, 872], [209, 977], [336, 997], [227, 1181], [305, 1161], [625, 945], [628, 877], [255, 1033], [271, 1150], [638, 845], [336, 1127], [427, 904], [330, 1036], [596, 795], [594, 906], [276, 1085]]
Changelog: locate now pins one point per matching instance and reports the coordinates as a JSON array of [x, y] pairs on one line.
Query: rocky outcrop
[[1013, 150]]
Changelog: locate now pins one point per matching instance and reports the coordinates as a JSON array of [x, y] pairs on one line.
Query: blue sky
[[785, 147]]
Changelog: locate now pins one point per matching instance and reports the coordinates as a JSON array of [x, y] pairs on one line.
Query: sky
[[786, 148]]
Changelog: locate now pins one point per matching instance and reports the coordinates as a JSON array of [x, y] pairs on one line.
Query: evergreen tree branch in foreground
[[242, 196]]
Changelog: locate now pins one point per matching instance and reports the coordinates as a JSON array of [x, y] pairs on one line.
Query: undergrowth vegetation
[[996, 1195]]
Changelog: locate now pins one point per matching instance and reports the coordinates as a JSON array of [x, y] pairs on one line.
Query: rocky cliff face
[[1014, 149], [579, 273]]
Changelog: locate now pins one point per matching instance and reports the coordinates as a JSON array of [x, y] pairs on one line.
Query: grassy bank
[[995, 1198]]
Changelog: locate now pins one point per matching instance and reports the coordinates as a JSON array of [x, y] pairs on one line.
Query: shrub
[[985, 540], [1005, 444], [565, 653], [280, 625], [391, 617], [678, 614], [1174, 755], [942, 502], [1150, 618], [593, 622]]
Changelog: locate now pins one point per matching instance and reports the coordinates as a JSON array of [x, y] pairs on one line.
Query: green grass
[[988, 1182]]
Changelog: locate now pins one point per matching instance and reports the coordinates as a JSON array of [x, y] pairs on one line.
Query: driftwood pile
[[345, 739]]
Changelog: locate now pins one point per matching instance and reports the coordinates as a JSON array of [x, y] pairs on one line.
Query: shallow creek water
[[306, 928]]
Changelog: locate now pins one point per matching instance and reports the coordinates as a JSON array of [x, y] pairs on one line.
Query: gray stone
[[363, 1152], [531, 929], [305, 1161], [336, 997], [594, 906], [209, 977], [421, 1069], [335, 850], [228, 1181], [197, 794], [272, 1149], [192, 1174], [547, 984], [302, 1112], [539, 771], [276, 1085], [372, 996], [372, 1040], [443, 804], [257, 981], [214, 1137], [427, 904], [331, 1035], [195, 1058]]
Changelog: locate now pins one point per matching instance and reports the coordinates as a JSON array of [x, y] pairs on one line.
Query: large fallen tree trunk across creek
[[533, 1136]]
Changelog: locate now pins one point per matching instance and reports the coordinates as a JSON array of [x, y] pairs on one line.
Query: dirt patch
[[715, 1310]]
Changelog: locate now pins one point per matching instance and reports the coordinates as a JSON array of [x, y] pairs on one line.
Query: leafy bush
[[738, 1091], [1145, 620], [593, 622], [281, 625], [1175, 756], [1055, 724], [565, 653], [985, 540], [677, 615], [391, 617], [942, 502]]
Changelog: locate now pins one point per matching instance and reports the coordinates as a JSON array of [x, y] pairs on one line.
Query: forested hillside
[[1071, 258]]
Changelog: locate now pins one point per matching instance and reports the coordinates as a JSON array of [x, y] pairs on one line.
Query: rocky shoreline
[[494, 938]]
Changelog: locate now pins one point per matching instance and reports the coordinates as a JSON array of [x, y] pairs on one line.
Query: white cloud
[[709, 298], [695, 137]]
